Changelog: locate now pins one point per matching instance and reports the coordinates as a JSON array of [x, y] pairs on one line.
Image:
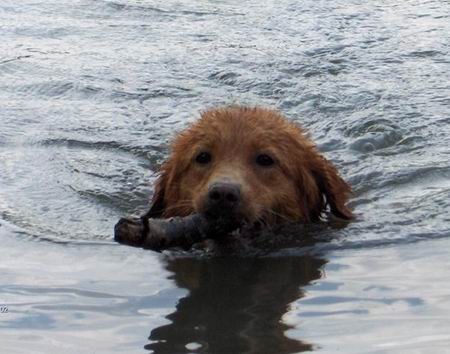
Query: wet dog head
[[251, 164]]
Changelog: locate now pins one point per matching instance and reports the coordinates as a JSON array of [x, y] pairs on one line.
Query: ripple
[[369, 125], [59, 89], [226, 77], [424, 53], [375, 141], [155, 11], [117, 6], [92, 92], [137, 83], [96, 191]]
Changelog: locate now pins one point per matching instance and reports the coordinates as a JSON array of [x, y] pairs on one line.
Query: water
[[91, 92]]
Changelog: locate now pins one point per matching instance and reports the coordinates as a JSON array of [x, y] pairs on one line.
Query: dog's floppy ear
[[158, 203], [333, 189]]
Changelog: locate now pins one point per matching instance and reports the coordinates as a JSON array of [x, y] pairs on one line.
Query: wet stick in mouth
[[161, 234]]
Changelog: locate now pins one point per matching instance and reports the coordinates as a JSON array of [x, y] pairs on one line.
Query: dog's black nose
[[224, 195]]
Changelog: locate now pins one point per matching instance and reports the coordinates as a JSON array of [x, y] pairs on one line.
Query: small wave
[[375, 141], [83, 192], [225, 77], [148, 10], [59, 89], [66, 90], [151, 153], [370, 125], [424, 53], [117, 6], [10, 60]]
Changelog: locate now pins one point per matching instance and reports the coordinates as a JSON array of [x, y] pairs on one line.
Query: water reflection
[[235, 305]]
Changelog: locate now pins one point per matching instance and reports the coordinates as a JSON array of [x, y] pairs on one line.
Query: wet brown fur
[[298, 187]]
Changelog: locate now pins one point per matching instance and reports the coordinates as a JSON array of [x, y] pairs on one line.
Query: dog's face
[[251, 164]]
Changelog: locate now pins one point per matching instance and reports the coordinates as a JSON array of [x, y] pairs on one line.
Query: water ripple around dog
[[91, 93], [95, 129]]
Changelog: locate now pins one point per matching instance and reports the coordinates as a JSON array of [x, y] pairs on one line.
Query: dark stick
[[160, 234]]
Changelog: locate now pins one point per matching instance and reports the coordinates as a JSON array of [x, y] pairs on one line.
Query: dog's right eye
[[264, 160], [203, 158]]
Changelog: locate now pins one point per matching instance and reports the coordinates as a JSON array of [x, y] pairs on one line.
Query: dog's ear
[[158, 203], [334, 191]]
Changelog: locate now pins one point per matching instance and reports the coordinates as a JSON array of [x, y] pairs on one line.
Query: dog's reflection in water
[[235, 305]]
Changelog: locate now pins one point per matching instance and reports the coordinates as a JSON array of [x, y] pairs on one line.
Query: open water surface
[[91, 92]]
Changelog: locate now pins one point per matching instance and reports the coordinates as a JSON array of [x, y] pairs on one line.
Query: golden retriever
[[250, 163]]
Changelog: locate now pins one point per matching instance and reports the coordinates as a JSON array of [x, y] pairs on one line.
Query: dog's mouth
[[225, 217]]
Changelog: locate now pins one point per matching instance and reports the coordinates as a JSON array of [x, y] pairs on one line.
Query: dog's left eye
[[203, 158], [264, 160]]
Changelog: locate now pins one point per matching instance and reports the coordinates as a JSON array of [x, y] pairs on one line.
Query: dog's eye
[[203, 158], [264, 160]]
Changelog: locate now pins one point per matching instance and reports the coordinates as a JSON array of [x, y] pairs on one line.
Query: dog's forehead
[[244, 126]]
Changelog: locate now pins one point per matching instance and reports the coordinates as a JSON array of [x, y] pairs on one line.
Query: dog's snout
[[224, 194]]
